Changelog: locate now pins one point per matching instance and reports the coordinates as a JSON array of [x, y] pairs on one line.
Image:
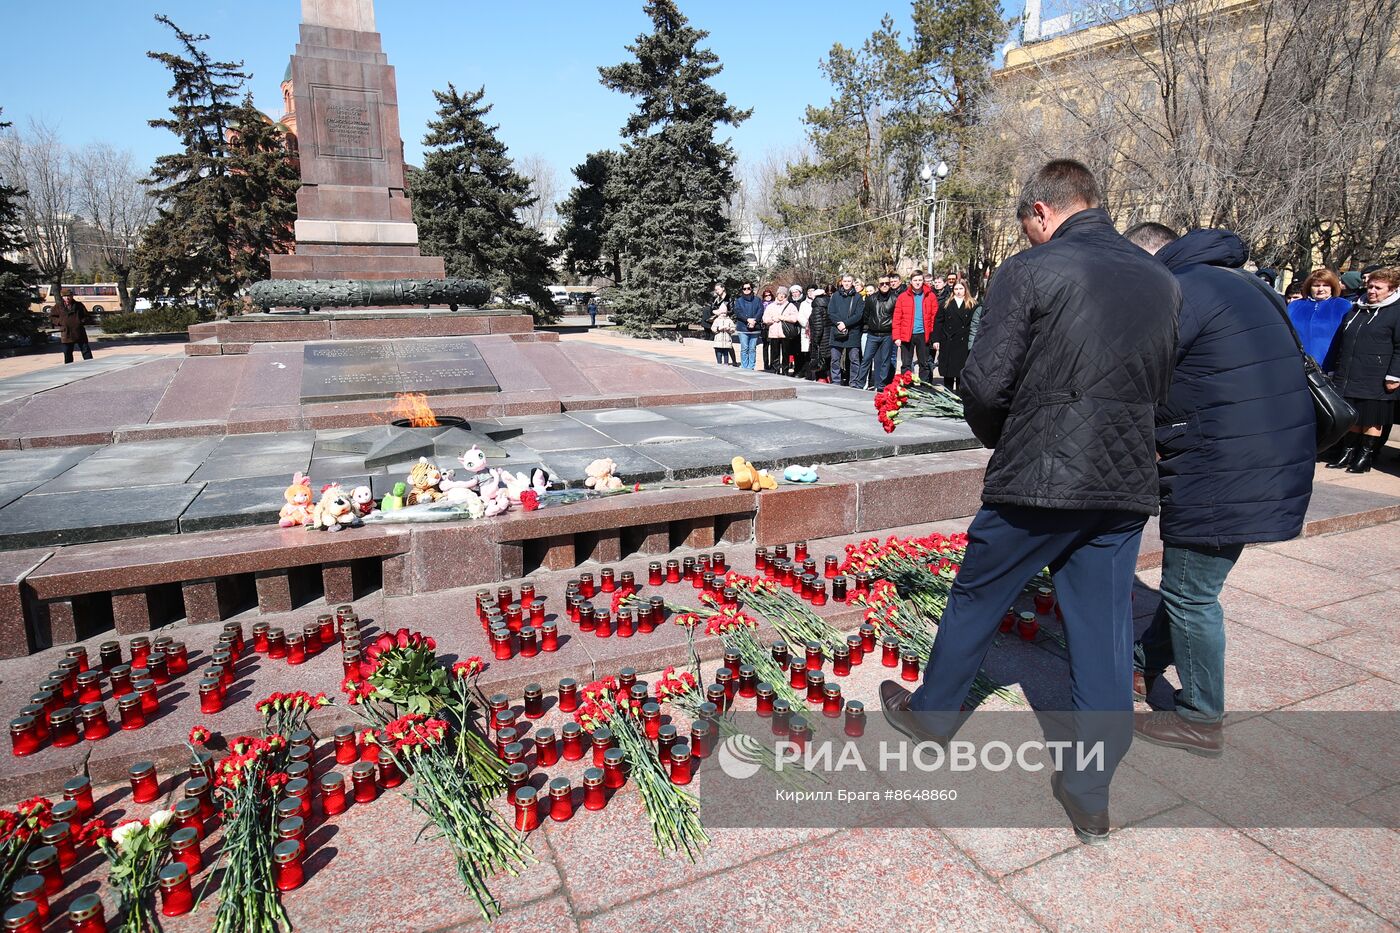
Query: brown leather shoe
[[894, 703], [1090, 828], [1170, 730]]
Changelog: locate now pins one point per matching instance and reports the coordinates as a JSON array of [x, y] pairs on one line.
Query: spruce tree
[[17, 323], [584, 215], [227, 198], [674, 178], [468, 199], [264, 187]]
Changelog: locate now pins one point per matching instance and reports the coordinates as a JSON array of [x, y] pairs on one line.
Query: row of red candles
[[50, 716], [191, 820]]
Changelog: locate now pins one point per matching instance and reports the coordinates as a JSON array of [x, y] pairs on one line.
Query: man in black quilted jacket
[[1073, 356]]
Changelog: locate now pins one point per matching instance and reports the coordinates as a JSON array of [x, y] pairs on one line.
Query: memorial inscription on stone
[[348, 370], [347, 122]]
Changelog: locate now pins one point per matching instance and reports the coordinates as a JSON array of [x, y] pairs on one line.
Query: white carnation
[[160, 819]]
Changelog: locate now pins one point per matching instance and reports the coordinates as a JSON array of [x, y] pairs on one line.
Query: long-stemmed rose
[[135, 851]]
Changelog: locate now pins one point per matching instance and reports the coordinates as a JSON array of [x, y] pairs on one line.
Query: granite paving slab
[[242, 503], [202, 389], [797, 442], [803, 410], [245, 456], [704, 416], [611, 416], [140, 463], [632, 465], [85, 515], [365, 369], [646, 433], [9, 492], [926, 435], [94, 411], [19, 466], [692, 459], [568, 438]]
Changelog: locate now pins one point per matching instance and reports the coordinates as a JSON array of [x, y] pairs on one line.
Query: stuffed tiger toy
[[423, 482]]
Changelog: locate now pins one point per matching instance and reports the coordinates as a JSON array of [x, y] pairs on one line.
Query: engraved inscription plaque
[[346, 121], [346, 370]]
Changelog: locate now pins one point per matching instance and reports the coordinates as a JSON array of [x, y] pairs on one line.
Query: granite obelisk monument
[[354, 218]]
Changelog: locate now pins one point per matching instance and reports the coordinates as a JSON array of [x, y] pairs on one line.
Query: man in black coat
[[877, 363], [1236, 440], [1062, 383], [846, 312]]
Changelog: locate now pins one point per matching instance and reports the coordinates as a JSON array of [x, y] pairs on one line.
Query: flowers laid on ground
[[425, 718], [285, 713], [674, 813], [135, 852], [796, 621], [906, 398], [911, 580]]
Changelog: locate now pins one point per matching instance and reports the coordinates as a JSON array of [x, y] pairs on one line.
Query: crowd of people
[[849, 333]]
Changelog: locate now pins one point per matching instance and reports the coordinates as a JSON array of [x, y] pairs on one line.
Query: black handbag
[[1335, 415]]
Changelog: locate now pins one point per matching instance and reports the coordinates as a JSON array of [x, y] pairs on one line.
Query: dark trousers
[[773, 354], [792, 346], [724, 356], [1092, 555], [840, 375], [917, 345], [81, 345]]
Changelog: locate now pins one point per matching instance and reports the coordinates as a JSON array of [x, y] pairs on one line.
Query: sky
[[84, 69]]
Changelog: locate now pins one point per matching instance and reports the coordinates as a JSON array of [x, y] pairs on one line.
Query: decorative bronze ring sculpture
[[315, 294]]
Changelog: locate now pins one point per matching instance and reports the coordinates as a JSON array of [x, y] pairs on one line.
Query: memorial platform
[[237, 335]]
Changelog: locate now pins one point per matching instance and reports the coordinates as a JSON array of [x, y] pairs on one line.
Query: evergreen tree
[[584, 215], [674, 178], [468, 199], [264, 186], [227, 197], [17, 322]]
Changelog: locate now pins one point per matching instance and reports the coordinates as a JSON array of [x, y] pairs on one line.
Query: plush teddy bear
[[599, 475], [540, 480], [362, 497], [297, 510], [746, 477], [424, 482], [335, 510]]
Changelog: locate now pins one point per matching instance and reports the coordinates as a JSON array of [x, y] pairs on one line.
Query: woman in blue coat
[[1318, 314]]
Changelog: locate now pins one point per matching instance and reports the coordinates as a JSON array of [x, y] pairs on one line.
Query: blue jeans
[[748, 347], [1188, 630], [1092, 555], [878, 365]]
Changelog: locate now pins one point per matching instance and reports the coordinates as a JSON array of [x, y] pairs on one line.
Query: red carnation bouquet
[[906, 397]]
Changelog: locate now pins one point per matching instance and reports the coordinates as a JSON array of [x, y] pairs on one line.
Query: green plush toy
[[395, 499]]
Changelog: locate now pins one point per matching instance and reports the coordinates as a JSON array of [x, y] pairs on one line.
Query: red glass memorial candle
[[332, 793], [841, 661], [909, 669], [666, 736], [529, 642], [260, 637], [816, 683], [838, 589], [145, 786], [31, 888], [602, 623], [63, 727], [614, 768], [654, 573], [549, 633], [140, 648], [187, 816], [1044, 600], [799, 732], [85, 915], [176, 896], [347, 749], [211, 698], [515, 618], [831, 700], [24, 736], [765, 693], [625, 625], [23, 918], [561, 800], [889, 651], [573, 741], [855, 719], [501, 645], [146, 690], [36, 712], [651, 719], [363, 778], [132, 715], [1027, 627], [276, 644], [797, 675], [680, 763], [527, 809], [202, 790], [1008, 621], [601, 740], [537, 613], [44, 861], [300, 791], [121, 679], [296, 648], [701, 734], [60, 836], [95, 724], [748, 681], [90, 687], [290, 874], [546, 748], [673, 571], [184, 848]]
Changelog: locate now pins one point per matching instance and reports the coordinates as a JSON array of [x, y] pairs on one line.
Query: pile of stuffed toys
[[486, 491]]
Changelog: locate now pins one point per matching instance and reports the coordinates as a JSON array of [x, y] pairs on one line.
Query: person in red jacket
[[914, 313]]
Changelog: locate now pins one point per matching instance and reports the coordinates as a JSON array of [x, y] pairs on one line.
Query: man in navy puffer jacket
[[1236, 443]]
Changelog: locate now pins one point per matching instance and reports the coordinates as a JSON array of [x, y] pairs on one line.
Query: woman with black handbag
[[1367, 357]]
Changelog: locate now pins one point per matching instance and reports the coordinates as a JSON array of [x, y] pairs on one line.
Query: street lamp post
[[932, 174]]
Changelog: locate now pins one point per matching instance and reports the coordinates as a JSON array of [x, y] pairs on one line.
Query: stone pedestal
[[354, 220]]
